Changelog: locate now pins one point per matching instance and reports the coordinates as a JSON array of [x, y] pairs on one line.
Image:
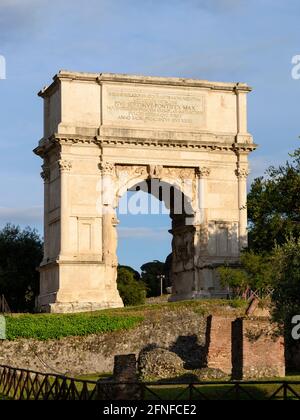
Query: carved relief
[[155, 171], [179, 173], [131, 171], [183, 246], [64, 165], [107, 168], [242, 173], [203, 172]]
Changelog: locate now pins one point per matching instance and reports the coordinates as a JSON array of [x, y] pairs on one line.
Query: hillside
[[82, 344]]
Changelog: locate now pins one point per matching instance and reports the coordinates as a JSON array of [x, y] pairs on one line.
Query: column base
[[71, 286], [77, 307]]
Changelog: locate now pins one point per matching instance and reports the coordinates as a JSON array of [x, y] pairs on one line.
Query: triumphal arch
[[185, 141]]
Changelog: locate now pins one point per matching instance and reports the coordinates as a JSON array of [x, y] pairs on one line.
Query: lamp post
[[161, 277]]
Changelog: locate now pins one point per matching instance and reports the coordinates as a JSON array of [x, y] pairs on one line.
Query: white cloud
[[32, 216], [19, 19], [144, 233]]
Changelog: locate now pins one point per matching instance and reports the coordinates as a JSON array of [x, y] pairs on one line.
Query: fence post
[[191, 388], [285, 391]]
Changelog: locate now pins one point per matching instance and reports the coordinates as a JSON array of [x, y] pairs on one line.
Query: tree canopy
[[150, 273], [286, 272], [21, 252], [255, 273], [274, 206], [132, 291]]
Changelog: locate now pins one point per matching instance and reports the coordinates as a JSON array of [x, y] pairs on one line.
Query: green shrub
[[132, 291], [238, 303], [46, 326], [286, 297]]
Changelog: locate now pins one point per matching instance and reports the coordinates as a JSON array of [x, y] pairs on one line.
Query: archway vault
[[106, 133]]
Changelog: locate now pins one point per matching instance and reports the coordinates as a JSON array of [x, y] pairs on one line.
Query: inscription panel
[[150, 107]]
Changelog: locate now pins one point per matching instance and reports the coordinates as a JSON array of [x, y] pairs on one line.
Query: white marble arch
[[106, 133]]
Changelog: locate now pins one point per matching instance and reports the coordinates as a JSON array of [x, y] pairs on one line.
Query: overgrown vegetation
[[273, 257], [132, 291], [150, 273], [21, 252], [46, 327], [274, 206], [56, 326], [255, 273], [286, 298]]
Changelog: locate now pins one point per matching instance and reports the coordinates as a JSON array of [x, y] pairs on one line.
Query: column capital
[[65, 165], [203, 171], [107, 168], [242, 173]]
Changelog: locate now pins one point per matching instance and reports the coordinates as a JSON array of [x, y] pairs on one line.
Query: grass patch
[[56, 326], [201, 307], [53, 326]]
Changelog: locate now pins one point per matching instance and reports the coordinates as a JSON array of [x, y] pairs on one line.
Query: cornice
[[46, 144], [142, 80]]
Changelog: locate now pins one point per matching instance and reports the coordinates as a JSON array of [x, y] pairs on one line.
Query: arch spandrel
[[183, 179]]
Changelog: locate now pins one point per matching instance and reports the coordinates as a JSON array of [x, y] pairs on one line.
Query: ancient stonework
[[258, 350], [219, 344], [245, 348], [180, 345], [158, 363], [105, 134]]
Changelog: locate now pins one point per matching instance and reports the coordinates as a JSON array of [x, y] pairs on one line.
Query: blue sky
[[229, 40]]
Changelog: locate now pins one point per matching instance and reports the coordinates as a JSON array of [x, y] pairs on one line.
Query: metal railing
[[21, 384]]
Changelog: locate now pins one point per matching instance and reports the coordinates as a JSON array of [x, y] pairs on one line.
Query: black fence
[[20, 384]]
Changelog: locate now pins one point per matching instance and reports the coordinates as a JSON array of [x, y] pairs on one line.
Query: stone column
[[242, 174], [203, 174], [109, 220], [65, 167], [110, 241], [202, 277], [45, 174]]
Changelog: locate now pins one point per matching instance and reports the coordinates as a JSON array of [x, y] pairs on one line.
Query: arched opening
[[157, 224]]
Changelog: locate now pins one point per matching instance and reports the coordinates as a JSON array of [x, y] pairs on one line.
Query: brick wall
[[245, 348], [219, 346], [263, 351]]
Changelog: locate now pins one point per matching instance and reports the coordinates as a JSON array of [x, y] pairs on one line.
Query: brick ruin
[[245, 348]]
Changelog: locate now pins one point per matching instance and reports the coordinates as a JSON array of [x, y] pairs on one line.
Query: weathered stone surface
[[159, 363], [125, 372], [105, 134], [245, 348], [209, 374], [219, 340], [259, 352], [95, 353]]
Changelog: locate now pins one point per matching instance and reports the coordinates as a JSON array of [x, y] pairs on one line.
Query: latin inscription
[[155, 107]]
